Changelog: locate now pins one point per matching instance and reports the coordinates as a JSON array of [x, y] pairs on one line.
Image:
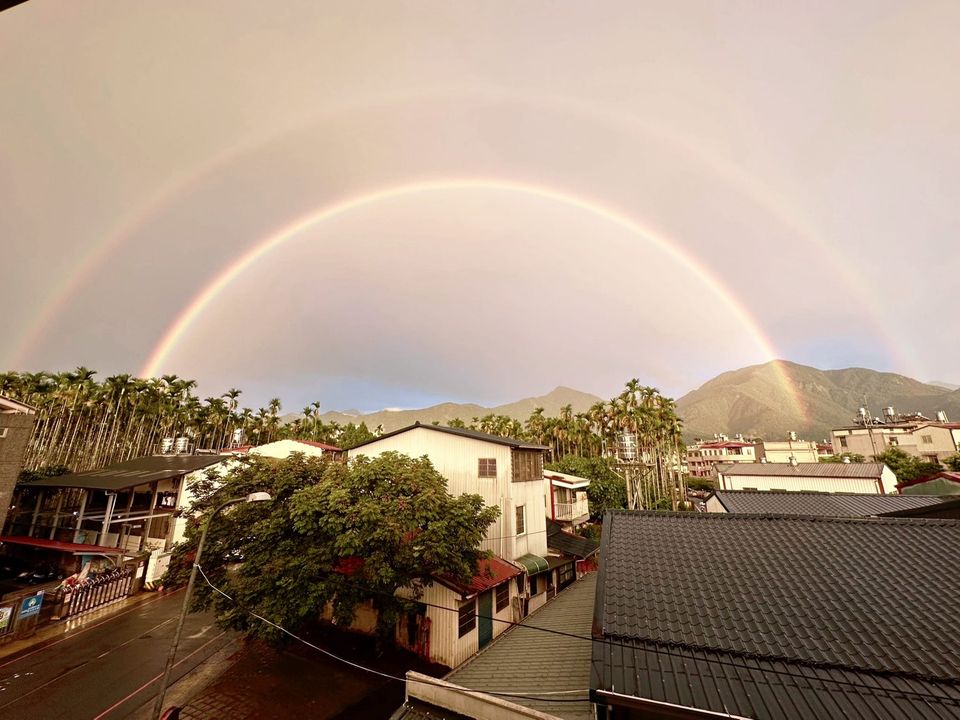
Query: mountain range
[[767, 400]]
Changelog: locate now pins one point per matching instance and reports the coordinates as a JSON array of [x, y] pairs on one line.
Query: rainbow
[[208, 294]]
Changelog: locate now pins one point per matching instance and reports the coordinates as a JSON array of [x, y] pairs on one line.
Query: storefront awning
[[75, 548], [533, 563]]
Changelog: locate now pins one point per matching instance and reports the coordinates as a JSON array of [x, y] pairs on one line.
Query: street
[[107, 670]]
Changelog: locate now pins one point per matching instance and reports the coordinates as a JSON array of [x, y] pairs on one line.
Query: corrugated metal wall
[[809, 484]]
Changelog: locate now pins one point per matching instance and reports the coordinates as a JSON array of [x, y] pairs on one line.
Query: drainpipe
[[553, 512]]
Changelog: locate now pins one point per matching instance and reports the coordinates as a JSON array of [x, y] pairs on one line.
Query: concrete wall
[[13, 447], [285, 448]]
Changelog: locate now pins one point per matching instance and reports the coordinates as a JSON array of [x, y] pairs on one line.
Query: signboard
[[6, 612], [31, 605]]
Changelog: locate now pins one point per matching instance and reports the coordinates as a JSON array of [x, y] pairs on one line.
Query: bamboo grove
[[84, 424]]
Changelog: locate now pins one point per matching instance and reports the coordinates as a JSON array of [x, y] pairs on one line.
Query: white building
[[566, 498], [704, 457], [868, 478], [507, 474]]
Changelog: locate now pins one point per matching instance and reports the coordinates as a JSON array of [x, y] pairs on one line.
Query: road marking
[[91, 627], [155, 678]]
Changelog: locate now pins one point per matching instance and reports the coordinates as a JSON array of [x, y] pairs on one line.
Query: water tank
[[941, 416], [793, 436], [888, 412], [183, 444], [166, 446]]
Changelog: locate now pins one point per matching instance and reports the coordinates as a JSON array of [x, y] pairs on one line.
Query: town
[[568, 541], [452, 360]]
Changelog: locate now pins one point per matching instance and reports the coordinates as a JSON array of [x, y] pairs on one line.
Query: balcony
[[571, 511]]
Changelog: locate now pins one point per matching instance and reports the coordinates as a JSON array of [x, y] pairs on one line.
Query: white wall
[[455, 458], [808, 484], [714, 505], [282, 449]]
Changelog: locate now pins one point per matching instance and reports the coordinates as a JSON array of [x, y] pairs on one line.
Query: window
[[893, 441], [503, 596], [567, 574], [926, 439], [843, 441], [527, 465], [533, 585], [521, 525], [487, 467], [467, 617]]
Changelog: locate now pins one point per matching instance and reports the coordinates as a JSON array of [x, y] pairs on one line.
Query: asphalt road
[[107, 670]]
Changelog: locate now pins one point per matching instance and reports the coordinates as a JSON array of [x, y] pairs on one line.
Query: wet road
[[107, 670]]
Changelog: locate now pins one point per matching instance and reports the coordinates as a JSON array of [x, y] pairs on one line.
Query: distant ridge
[[445, 412], [751, 400], [754, 401]]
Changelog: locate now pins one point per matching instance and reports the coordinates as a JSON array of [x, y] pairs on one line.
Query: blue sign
[[31, 605]]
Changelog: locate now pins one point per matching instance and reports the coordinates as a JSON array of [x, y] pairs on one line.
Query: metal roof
[[490, 573], [131, 473], [462, 432], [780, 616], [569, 543], [827, 470], [811, 503], [533, 563], [522, 659]]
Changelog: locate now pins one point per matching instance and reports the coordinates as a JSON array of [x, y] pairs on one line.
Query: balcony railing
[[571, 511]]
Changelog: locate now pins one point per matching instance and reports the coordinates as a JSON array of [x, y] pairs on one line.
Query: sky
[[390, 204]]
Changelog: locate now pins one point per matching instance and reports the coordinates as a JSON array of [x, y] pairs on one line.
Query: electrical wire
[[661, 649], [542, 696]]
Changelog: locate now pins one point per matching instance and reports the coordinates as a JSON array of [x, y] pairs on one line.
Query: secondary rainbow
[[208, 294]]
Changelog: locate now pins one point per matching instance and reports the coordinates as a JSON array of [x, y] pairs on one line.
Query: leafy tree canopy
[[953, 462], [28, 476], [906, 467], [607, 490], [334, 533], [706, 484], [843, 457]]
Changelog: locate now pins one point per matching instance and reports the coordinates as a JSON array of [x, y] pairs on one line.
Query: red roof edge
[[490, 573], [62, 546]]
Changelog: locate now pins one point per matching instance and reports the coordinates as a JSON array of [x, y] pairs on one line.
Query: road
[[107, 670]]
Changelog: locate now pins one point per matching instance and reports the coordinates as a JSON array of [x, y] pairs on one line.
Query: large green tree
[[337, 533], [907, 467]]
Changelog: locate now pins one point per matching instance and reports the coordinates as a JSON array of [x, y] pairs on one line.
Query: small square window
[[521, 517], [487, 467], [503, 596], [467, 617]]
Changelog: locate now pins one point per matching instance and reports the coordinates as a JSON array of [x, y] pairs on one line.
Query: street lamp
[[251, 498]]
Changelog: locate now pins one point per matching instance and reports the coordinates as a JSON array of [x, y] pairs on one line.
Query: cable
[[661, 649], [388, 676]]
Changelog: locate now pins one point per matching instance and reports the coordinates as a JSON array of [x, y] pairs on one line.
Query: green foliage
[[607, 490], [28, 476], [701, 483], [853, 457], [953, 462], [334, 533], [907, 467], [352, 435]]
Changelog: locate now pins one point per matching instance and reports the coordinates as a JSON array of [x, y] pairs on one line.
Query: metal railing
[[571, 511], [96, 592]]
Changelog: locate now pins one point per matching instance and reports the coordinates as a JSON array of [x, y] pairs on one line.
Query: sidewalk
[[61, 629]]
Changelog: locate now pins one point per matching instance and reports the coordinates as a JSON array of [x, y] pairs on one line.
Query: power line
[[516, 695], [661, 650]]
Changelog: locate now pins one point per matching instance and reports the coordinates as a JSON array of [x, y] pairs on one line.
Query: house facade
[[704, 457], [566, 498], [457, 619]]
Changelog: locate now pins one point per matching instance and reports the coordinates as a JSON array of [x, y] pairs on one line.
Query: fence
[[97, 592]]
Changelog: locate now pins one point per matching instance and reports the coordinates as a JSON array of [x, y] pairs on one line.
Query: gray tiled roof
[[810, 503], [824, 469], [569, 543], [523, 659], [760, 615]]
